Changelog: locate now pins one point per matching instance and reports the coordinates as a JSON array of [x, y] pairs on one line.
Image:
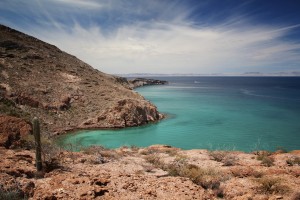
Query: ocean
[[224, 113]]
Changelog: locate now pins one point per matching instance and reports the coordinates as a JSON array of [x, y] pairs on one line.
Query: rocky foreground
[[156, 172], [38, 79]]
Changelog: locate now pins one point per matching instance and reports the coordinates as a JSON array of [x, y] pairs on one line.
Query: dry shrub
[[293, 161], [264, 157], [110, 154], [271, 185], [224, 157], [242, 172], [14, 192], [51, 156], [208, 178], [149, 150], [101, 154], [92, 150], [171, 152], [230, 160], [155, 160], [267, 161], [134, 148], [218, 155]]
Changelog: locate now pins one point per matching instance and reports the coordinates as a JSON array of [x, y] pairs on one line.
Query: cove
[[229, 113]]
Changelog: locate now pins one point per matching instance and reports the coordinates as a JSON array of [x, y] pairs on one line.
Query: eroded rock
[[12, 129]]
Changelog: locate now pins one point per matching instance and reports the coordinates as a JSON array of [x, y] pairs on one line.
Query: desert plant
[[38, 148], [265, 158], [12, 193], [155, 160], [218, 155], [224, 157], [242, 172], [271, 185], [293, 161], [267, 161], [229, 160], [51, 156]]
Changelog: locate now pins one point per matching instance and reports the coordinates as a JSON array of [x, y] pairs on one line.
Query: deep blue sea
[[229, 113]]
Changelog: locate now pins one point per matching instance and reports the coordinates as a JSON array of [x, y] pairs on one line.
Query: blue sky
[[166, 36]]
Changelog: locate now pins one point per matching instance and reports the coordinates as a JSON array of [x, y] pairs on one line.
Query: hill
[[38, 79]]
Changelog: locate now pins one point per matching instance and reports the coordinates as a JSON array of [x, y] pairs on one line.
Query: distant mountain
[[38, 79]]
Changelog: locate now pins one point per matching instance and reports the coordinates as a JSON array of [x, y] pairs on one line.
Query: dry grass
[[265, 158], [208, 178], [271, 185], [155, 160], [242, 172], [224, 157], [293, 161]]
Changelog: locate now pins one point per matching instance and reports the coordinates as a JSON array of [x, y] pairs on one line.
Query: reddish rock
[[12, 129], [125, 113]]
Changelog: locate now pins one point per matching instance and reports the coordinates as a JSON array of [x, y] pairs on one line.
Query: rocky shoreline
[[139, 82]]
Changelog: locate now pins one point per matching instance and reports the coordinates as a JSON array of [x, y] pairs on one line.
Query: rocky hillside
[[38, 79]]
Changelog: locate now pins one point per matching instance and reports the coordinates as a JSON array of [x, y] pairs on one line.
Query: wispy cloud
[[83, 4], [159, 37]]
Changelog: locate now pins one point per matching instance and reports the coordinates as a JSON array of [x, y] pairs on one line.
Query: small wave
[[196, 82]]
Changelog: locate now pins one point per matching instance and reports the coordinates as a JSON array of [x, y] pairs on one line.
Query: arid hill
[[38, 79]]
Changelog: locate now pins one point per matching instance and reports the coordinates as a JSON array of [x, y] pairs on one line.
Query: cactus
[[38, 149]]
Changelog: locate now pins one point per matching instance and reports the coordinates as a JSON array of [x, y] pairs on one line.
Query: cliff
[[38, 79]]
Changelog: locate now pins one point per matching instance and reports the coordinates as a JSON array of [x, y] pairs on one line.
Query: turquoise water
[[241, 113]]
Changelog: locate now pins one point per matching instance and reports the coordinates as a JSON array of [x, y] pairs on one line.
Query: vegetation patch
[[293, 161], [208, 178], [265, 158], [224, 157], [271, 185]]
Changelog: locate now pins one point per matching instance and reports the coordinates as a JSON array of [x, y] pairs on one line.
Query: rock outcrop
[[38, 79], [12, 130], [125, 113], [139, 82]]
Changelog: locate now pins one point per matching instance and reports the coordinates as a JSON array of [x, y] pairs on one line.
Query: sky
[[166, 36]]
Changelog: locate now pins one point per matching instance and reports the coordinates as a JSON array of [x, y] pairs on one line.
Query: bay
[[228, 113]]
